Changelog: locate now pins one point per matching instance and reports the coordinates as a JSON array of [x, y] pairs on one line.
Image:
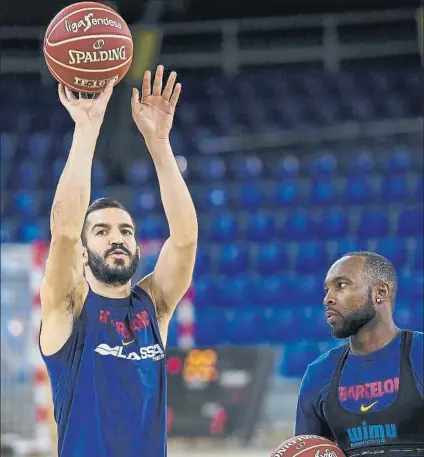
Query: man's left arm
[[174, 269], [153, 115]]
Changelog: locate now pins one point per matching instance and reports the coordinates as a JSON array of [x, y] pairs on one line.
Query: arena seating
[[270, 223]]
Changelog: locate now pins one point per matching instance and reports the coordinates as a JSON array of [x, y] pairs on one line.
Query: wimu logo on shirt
[[371, 434]]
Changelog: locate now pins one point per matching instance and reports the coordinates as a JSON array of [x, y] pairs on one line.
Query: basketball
[[307, 446], [86, 45]]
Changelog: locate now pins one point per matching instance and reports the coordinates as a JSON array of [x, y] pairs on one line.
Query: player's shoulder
[[319, 373], [326, 362], [417, 338], [417, 344]]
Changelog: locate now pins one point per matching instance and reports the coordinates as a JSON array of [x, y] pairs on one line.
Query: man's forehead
[[110, 216], [351, 266]]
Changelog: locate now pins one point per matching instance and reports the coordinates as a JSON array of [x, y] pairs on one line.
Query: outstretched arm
[[64, 270], [174, 269]]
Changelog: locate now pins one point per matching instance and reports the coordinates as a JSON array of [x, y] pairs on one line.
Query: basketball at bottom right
[[307, 446]]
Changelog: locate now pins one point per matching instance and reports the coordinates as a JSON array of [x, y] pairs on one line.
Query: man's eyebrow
[[125, 225], [100, 224], [338, 278], [103, 225]]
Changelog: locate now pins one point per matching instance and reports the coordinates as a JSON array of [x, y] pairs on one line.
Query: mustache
[[118, 248]]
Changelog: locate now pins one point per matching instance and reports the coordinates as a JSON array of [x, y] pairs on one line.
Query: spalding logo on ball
[[308, 446], [86, 45]]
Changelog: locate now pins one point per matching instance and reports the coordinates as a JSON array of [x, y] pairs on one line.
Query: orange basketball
[[307, 446], [86, 45]]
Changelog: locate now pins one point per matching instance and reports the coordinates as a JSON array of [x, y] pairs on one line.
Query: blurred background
[[300, 134]]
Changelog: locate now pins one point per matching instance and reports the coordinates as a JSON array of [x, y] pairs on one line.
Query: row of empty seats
[[275, 325], [44, 153], [247, 102], [295, 224]]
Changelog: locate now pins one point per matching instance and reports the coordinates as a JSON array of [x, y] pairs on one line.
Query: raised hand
[[154, 113], [86, 112]]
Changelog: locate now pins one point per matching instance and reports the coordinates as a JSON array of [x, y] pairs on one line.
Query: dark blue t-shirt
[[109, 381], [368, 384]]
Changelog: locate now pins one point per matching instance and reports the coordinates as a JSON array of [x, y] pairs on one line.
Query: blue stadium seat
[[25, 204], [410, 222], [8, 230], [233, 259], [261, 227], [242, 327], [287, 167], [314, 323], [223, 227], [418, 255], [52, 176], [215, 197], [205, 293], [361, 163], [298, 225], [297, 357], [413, 285], [203, 261], [395, 189], [249, 167], [7, 145], [332, 223], [148, 263], [399, 161], [144, 200], [209, 323], [280, 325], [418, 190], [373, 222], [347, 245], [249, 197], [271, 258], [309, 288], [29, 175], [33, 231], [98, 174], [235, 292], [358, 191], [405, 317], [311, 257], [274, 290], [152, 227], [323, 192], [212, 169], [139, 172], [288, 193], [394, 249], [323, 164], [39, 144]]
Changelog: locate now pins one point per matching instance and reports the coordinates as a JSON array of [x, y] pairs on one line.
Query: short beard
[[112, 275], [355, 321]]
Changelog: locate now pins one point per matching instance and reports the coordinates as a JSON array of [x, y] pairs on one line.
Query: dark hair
[[378, 269], [101, 203]]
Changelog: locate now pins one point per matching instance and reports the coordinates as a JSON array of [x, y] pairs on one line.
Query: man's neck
[[108, 290], [373, 337]]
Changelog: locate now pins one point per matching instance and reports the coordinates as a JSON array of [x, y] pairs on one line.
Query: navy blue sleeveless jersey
[[109, 381], [369, 404]]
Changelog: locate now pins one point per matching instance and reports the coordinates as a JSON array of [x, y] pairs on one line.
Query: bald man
[[366, 395]]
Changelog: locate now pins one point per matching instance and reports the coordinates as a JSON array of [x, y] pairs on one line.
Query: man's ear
[[383, 292], [85, 255]]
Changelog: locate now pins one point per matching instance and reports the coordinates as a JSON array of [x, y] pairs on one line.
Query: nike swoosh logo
[[129, 342], [364, 409]]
